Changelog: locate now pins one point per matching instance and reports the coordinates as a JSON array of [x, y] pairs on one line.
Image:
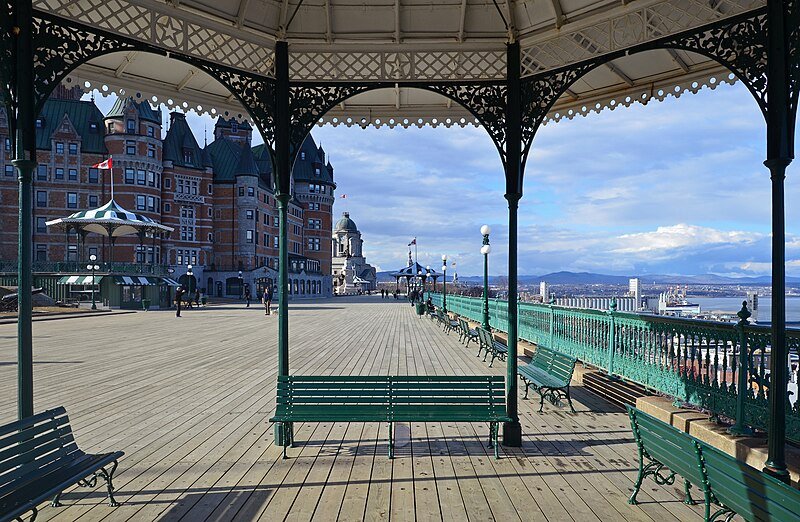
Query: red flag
[[343, 196], [103, 164]]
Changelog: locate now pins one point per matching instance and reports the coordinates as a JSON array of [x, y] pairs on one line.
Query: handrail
[[695, 361]]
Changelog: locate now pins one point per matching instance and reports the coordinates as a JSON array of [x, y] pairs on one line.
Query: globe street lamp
[[485, 250], [241, 285], [93, 266], [444, 283], [189, 277]]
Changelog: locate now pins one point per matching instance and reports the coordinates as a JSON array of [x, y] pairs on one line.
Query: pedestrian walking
[[197, 297], [247, 296], [267, 298], [178, 299]]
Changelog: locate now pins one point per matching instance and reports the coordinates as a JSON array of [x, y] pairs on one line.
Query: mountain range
[[589, 278]]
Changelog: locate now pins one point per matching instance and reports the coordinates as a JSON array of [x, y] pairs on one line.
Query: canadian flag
[[103, 164]]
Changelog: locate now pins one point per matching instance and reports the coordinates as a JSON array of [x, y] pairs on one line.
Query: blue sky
[[674, 187]]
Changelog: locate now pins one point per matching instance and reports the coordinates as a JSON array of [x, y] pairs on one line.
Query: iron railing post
[[740, 427], [611, 338]]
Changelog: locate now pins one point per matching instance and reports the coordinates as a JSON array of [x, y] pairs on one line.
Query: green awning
[[80, 280], [137, 280]]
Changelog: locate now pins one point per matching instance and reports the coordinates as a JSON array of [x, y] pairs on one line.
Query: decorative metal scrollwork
[[307, 104], [6, 49], [486, 101], [58, 49], [740, 46], [539, 94], [793, 24], [255, 93]]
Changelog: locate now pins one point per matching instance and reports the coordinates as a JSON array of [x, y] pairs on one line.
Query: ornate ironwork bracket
[[6, 56], [793, 23], [485, 101]]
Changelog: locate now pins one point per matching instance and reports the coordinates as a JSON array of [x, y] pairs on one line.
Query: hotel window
[[187, 156], [41, 252], [94, 176], [266, 239], [248, 235], [59, 173], [111, 127], [59, 148], [312, 188], [241, 191], [73, 174], [151, 178], [40, 123], [274, 241], [195, 191], [93, 127], [141, 203], [41, 172], [130, 176], [151, 150], [40, 225], [302, 155], [151, 204], [316, 171], [92, 201], [151, 131], [167, 208], [322, 189], [72, 200], [141, 177], [41, 198], [9, 171], [8, 144], [266, 219], [313, 243], [210, 188], [210, 212], [167, 182], [73, 148], [274, 221], [72, 253], [210, 237], [180, 257], [130, 148], [248, 214], [251, 191], [130, 126]]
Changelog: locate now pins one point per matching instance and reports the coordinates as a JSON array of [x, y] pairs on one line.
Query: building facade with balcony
[[218, 197]]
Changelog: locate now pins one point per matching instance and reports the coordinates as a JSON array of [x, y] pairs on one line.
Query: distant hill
[[589, 278]]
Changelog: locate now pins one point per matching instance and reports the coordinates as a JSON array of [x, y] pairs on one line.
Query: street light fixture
[[444, 283], [93, 266], [189, 277], [485, 250], [241, 285]]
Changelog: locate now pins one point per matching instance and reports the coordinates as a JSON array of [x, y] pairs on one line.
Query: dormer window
[[151, 131], [316, 171], [94, 128], [130, 126], [302, 155], [39, 123], [187, 156]]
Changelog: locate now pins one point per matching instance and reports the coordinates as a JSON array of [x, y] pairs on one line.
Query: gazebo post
[[282, 195], [512, 431], [779, 156], [24, 161]]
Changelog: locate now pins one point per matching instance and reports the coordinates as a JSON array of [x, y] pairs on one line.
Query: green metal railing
[[696, 362]]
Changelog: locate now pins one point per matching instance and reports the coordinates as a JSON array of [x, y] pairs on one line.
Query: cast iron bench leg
[[541, 399], [55, 502], [686, 487], [638, 484], [527, 385], [569, 400], [391, 440], [108, 476], [494, 354]]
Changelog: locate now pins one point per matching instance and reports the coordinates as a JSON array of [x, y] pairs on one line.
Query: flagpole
[[111, 175]]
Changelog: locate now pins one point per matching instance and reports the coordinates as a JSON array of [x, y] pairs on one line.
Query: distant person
[[197, 298], [267, 298], [178, 299], [247, 296], [429, 305]]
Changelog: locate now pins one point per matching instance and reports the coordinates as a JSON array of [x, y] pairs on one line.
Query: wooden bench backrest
[[751, 493], [675, 449], [555, 363], [485, 337], [33, 447], [463, 324], [411, 391]]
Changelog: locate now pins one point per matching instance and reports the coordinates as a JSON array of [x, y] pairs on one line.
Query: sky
[[672, 187]]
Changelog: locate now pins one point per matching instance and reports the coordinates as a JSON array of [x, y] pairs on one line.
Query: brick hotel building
[[217, 197]]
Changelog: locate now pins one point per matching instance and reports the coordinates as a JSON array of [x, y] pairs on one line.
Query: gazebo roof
[[399, 42], [414, 269], [110, 220]]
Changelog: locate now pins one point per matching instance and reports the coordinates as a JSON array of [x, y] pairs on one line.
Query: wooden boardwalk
[[188, 401]]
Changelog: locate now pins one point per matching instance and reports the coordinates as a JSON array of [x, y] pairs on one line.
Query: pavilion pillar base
[[512, 434]]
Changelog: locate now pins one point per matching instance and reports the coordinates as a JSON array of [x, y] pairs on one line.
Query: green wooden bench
[[488, 344], [445, 321], [391, 399], [733, 486], [549, 373], [467, 334], [39, 459]]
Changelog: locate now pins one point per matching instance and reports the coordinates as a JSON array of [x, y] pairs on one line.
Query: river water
[[734, 304]]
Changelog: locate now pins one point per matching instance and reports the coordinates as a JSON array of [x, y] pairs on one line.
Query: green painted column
[[512, 431], [282, 195], [779, 155], [25, 162]]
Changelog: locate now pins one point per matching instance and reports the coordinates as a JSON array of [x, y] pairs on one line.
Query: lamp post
[[485, 250], [241, 284], [93, 266], [189, 276], [444, 283]]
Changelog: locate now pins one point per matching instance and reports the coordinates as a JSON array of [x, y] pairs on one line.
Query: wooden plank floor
[[188, 400]]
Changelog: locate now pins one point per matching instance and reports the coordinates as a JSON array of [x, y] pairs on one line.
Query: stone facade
[[218, 197], [351, 272]]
